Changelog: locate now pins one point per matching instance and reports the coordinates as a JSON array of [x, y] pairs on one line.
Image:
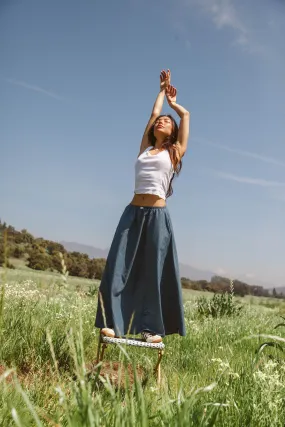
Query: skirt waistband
[[148, 207]]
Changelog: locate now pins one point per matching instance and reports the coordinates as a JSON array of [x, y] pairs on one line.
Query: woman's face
[[163, 126]]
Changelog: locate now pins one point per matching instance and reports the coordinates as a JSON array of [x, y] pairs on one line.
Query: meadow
[[211, 377]]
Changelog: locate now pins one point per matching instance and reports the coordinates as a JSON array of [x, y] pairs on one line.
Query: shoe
[[150, 337], [108, 332]]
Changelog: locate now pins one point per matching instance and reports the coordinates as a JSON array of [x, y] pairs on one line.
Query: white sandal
[[150, 337], [108, 332]]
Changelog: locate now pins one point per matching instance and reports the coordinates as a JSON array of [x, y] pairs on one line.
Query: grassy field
[[210, 377]]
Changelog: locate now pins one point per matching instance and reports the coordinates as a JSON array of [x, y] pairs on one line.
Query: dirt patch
[[119, 374], [3, 369]]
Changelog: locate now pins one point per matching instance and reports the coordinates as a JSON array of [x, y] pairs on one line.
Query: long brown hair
[[169, 144]]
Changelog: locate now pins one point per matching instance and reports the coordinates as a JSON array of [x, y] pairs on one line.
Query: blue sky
[[77, 83]]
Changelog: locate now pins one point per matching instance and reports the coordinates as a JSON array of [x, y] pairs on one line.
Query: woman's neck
[[159, 142]]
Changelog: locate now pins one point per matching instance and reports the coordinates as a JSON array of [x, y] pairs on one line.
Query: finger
[[164, 74]]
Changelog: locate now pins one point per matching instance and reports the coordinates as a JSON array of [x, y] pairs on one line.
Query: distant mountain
[[91, 251], [185, 270], [194, 273]]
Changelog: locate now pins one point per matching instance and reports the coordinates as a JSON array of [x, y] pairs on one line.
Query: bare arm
[[183, 132], [157, 107]]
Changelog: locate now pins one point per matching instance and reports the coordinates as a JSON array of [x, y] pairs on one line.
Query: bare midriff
[[148, 200]]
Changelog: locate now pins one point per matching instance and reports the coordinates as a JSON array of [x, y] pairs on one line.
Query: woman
[[140, 291]]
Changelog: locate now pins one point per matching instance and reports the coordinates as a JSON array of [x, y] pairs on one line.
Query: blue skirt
[[140, 288]]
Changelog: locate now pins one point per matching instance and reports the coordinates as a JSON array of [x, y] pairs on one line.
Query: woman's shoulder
[[145, 150]]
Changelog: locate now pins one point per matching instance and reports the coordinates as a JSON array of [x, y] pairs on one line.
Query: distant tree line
[[42, 254], [219, 284]]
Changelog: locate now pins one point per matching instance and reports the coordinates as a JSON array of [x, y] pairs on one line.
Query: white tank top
[[153, 173]]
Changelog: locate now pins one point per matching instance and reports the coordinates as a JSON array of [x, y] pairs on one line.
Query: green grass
[[209, 377], [43, 278]]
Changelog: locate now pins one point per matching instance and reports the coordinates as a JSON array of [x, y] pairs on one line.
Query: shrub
[[9, 265], [38, 260], [220, 305], [92, 291]]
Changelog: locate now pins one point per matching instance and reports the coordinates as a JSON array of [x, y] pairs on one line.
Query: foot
[[108, 332], [151, 337]]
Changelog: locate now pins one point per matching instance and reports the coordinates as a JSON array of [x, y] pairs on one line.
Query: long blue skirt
[[141, 289]]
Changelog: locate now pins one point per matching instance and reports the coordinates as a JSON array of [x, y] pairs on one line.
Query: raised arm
[[157, 107], [183, 133]]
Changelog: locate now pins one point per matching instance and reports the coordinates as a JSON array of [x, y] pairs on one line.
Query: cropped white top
[[153, 173]]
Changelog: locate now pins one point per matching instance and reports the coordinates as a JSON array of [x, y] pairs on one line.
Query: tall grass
[[48, 374]]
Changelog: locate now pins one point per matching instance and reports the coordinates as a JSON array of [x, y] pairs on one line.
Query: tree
[[38, 260], [96, 268], [78, 268], [18, 252], [26, 237], [2, 255], [274, 293], [56, 262]]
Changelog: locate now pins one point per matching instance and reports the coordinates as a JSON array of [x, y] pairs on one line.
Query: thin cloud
[[251, 181], [224, 15], [244, 153], [35, 88]]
